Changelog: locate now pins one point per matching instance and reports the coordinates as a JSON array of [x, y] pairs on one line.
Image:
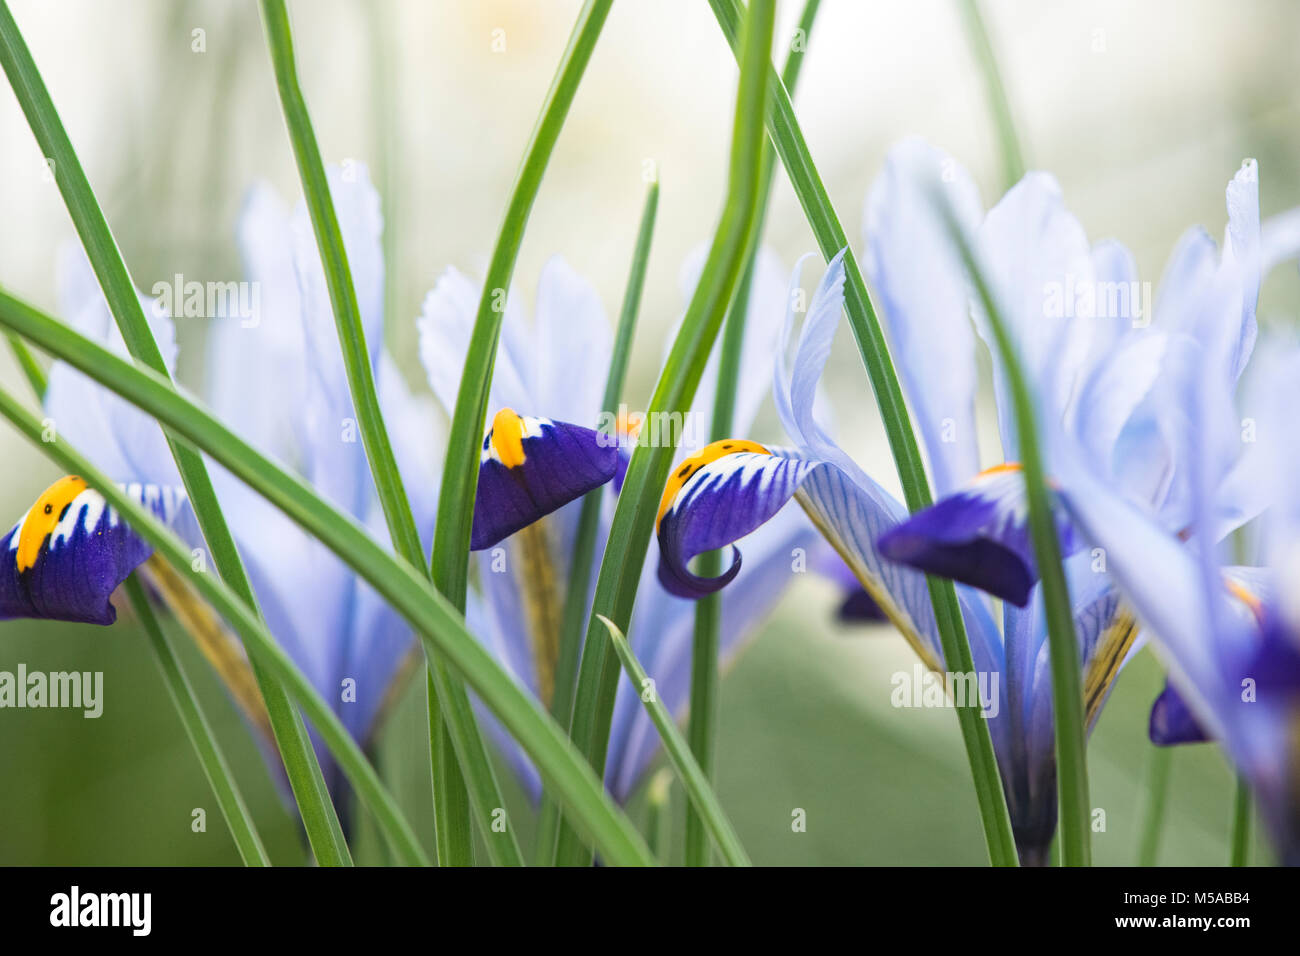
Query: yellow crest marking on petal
[[43, 517], [508, 438], [999, 469], [629, 423], [705, 456], [1012, 466], [1246, 597]]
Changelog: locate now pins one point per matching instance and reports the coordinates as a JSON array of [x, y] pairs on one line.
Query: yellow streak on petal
[[214, 639], [999, 469], [1246, 597], [1107, 657], [508, 438], [44, 517], [705, 456]]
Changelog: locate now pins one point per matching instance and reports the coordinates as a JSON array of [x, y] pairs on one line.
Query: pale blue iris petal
[[914, 268], [1037, 258], [256, 363], [1118, 304], [573, 343], [481, 624], [1241, 248], [853, 516], [1160, 577], [445, 324], [506, 614], [1113, 392], [418, 441], [335, 455], [379, 642], [119, 438], [1272, 397], [796, 392]]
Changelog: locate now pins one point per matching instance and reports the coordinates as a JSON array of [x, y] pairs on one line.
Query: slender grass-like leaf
[[679, 754], [1063, 647], [574, 614], [450, 560], [319, 818], [451, 809], [1242, 819], [791, 147], [708, 610], [1156, 797], [1013, 162], [439, 626], [338, 279], [638, 500], [32, 369], [215, 768], [460, 472], [457, 722], [261, 646]]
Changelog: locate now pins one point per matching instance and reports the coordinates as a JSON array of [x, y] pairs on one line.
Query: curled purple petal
[[713, 499]]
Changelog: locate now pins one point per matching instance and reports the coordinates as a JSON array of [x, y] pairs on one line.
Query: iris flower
[[1230, 636], [1096, 371], [275, 376], [542, 452]]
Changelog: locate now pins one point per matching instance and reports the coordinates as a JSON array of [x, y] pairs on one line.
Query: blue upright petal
[[71, 550], [979, 536], [918, 275], [532, 466]]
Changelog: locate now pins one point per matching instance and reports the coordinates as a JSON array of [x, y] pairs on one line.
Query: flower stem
[[1242, 814], [1157, 796], [200, 733], [320, 821], [1063, 647]]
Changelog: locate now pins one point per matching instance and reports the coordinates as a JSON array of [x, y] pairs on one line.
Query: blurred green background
[[1142, 111]]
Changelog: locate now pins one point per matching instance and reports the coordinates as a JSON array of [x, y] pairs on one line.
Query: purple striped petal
[[978, 536], [68, 554], [714, 498], [532, 466]]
